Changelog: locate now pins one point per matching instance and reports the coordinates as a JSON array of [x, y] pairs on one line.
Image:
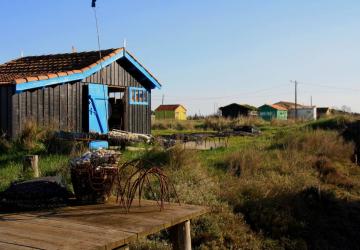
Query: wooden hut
[[77, 92], [235, 110], [301, 112], [171, 111], [323, 112], [270, 112]]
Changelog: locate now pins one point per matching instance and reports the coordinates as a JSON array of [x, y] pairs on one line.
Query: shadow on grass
[[310, 219]]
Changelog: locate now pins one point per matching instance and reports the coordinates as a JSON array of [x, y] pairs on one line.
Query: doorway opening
[[116, 108]]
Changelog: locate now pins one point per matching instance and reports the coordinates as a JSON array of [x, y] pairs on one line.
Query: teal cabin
[[270, 112]]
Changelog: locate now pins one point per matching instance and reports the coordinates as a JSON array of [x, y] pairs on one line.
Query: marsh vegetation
[[295, 186]]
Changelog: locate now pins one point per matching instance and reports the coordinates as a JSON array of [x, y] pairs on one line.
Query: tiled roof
[[44, 67], [168, 107], [278, 107], [274, 106], [291, 105]]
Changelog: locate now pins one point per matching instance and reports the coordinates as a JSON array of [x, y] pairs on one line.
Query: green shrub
[[216, 123], [174, 124], [338, 122], [329, 174], [222, 229], [243, 161], [315, 142], [5, 145]]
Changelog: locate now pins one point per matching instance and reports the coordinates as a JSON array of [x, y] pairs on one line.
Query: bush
[[173, 124], [308, 219], [222, 229], [282, 123], [338, 122], [5, 145], [243, 162], [315, 142], [216, 123], [329, 174]]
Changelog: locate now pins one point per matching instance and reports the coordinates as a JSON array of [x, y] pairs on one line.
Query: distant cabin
[[235, 110], [303, 112], [172, 111], [77, 92], [270, 112], [323, 112]]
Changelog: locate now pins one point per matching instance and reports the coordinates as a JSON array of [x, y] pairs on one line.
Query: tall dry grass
[[195, 185], [31, 137], [174, 124], [271, 186], [42, 139], [221, 124], [208, 123], [5, 145], [315, 142]]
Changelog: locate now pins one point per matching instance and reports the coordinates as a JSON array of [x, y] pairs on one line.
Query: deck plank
[[103, 226], [12, 246]]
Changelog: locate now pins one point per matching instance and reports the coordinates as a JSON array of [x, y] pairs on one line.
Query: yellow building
[[173, 111]]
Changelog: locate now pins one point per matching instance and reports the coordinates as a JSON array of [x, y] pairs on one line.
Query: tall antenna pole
[[296, 109], [93, 6]]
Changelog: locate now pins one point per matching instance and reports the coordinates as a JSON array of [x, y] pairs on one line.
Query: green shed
[[269, 112]]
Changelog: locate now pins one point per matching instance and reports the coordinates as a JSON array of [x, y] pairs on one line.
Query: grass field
[[292, 187]]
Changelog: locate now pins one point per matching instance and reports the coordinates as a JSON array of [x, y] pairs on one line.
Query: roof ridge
[[112, 52], [59, 54], [60, 67]]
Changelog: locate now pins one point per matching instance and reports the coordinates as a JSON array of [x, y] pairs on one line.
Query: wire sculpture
[[139, 179]]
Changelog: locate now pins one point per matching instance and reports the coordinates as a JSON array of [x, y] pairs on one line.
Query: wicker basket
[[93, 185]]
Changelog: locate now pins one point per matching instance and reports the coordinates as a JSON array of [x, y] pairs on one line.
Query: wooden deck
[[105, 226]]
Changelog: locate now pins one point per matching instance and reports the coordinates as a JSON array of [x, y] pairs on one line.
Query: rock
[[37, 193]]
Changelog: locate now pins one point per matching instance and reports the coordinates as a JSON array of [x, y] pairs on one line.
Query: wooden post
[[31, 163], [180, 236]]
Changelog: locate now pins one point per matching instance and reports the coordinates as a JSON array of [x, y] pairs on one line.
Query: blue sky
[[208, 53]]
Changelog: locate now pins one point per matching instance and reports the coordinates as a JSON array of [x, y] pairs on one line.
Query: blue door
[[98, 108]]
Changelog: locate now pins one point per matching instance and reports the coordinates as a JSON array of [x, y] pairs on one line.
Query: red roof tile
[[38, 67], [278, 107], [168, 107], [290, 105]]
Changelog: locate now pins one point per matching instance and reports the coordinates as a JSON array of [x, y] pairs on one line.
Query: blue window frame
[[138, 96]]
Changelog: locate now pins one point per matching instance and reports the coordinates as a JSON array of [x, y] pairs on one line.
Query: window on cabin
[[138, 96]]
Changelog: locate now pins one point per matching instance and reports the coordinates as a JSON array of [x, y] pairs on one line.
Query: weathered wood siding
[[115, 75], [59, 107], [64, 108], [137, 117], [5, 109]]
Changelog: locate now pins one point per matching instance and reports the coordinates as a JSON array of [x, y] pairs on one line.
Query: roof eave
[[25, 84]]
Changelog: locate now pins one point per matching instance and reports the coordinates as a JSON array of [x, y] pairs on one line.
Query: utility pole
[[162, 101], [296, 113], [311, 101]]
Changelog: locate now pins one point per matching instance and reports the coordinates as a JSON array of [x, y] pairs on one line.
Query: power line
[[278, 94], [328, 86], [223, 97]]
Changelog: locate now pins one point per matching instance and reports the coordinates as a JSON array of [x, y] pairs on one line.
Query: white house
[[303, 112]]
